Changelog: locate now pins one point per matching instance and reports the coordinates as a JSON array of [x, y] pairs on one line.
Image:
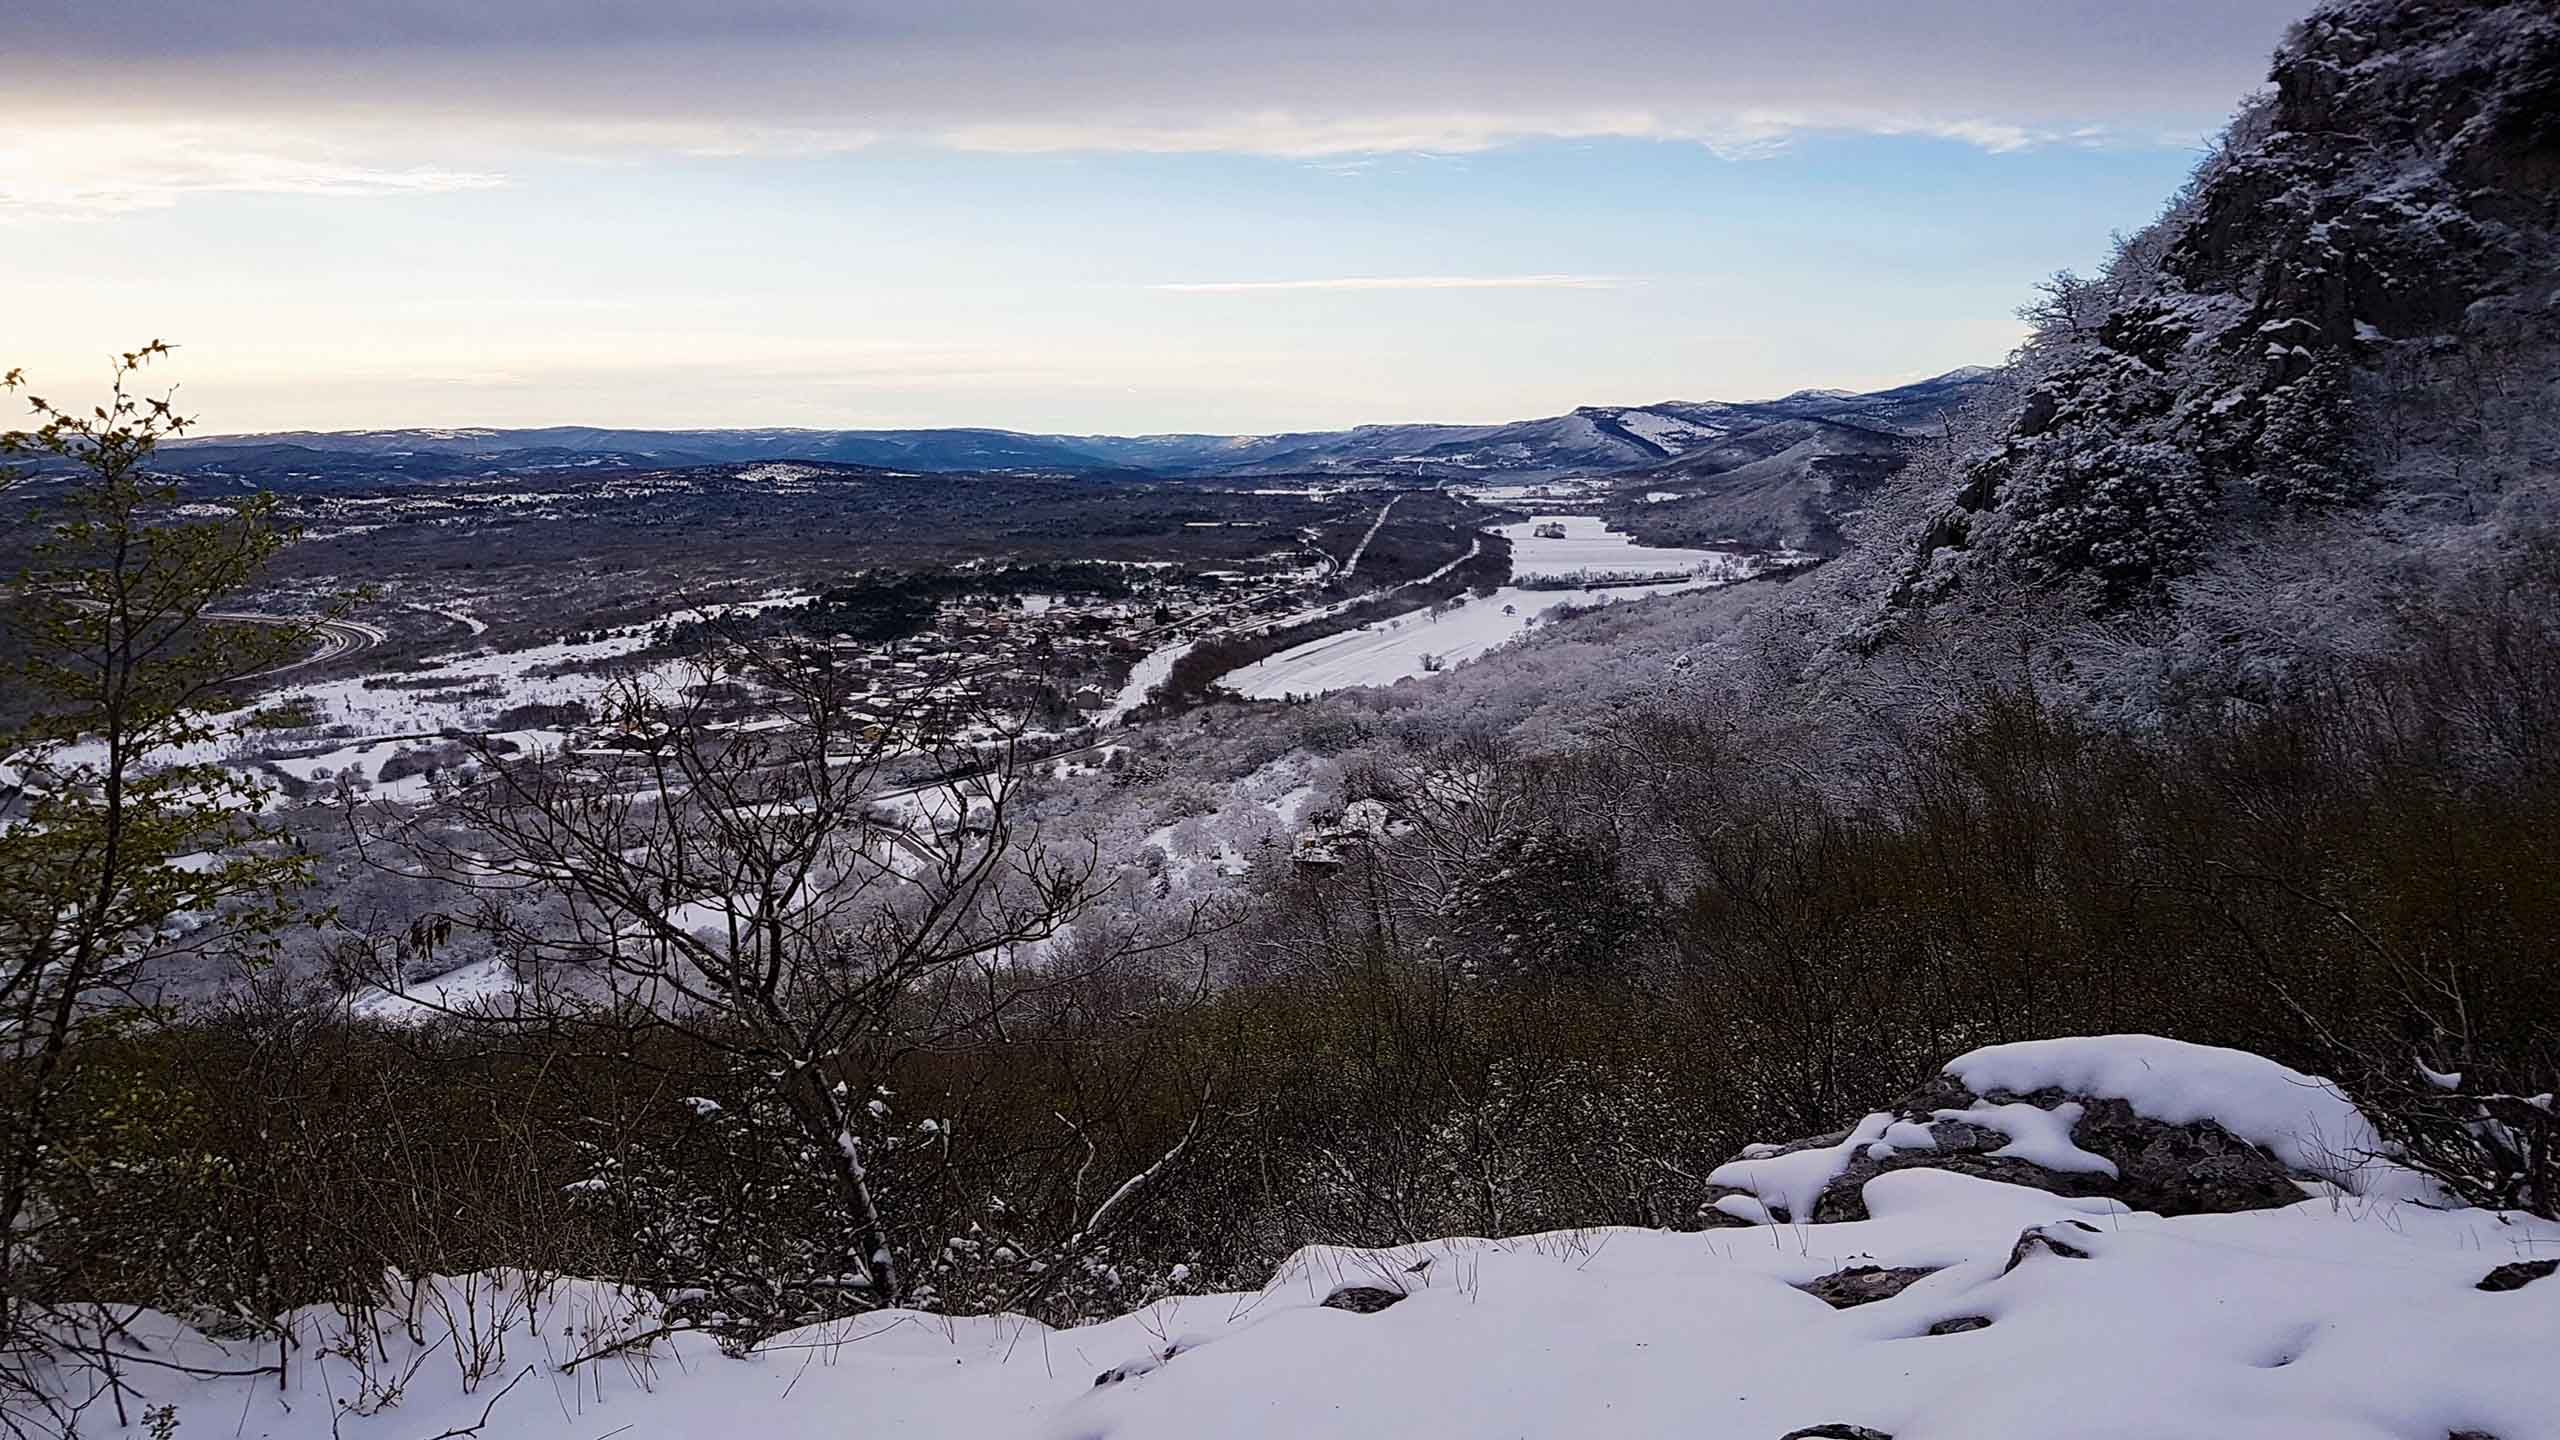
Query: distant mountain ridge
[[1593, 439]]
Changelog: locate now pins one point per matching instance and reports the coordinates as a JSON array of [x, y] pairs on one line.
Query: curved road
[[338, 638]]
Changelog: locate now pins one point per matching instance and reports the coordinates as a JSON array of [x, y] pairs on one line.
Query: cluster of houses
[[990, 652], [1055, 660]]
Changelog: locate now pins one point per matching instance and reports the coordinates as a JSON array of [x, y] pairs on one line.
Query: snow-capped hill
[[1592, 440], [1975, 1291], [1596, 439]]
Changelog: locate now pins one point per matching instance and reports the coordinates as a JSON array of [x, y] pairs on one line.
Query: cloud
[[78, 171], [1312, 79], [1295, 135], [716, 140], [1400, 282], [1744, 134]]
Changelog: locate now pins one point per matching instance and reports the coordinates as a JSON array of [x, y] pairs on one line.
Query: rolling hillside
[[1591, 440]]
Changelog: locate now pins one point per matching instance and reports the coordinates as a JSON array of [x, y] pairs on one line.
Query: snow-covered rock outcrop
[[2162, 1125]]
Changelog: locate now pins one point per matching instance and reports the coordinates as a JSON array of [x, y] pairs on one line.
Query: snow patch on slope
[[1668, 433]]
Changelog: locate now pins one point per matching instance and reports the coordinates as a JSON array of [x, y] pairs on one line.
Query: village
[[1003, 663], [984, 661]]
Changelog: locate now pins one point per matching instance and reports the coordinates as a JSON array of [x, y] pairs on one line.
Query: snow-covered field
[[2345, 1317], [1150, 672], [464, 693], [480, 982], [1391, 650], [1568, 489], [360, 765], [1589, 544]]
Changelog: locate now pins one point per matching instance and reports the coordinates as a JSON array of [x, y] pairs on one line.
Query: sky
[[1087, 216]]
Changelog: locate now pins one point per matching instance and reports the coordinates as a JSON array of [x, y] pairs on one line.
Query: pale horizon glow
[[1129, 216], [1400, 282]]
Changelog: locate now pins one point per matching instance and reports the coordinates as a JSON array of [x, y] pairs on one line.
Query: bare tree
[[819, 892]]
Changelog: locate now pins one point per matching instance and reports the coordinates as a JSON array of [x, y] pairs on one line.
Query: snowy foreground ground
[[2355, 1313]]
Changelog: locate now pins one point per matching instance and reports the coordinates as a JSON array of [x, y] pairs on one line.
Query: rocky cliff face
[[2354, 306]]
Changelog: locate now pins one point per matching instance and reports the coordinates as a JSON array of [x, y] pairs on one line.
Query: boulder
[[2518, 1275], [2037, 412], [1711, 1217], [1362, 1299], [2190, 1169], [1864, 1284], [2040, 1240]]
